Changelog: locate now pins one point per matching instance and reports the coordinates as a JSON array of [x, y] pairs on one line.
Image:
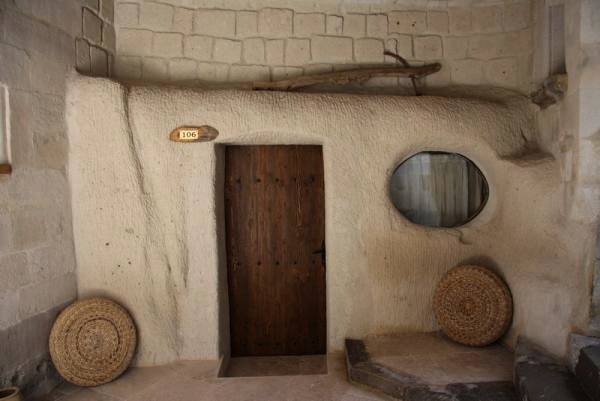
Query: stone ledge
[[576, 343], [363, 370], [588, 371], [539, 376]]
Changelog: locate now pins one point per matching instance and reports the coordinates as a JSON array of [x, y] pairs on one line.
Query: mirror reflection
[[438, 189]]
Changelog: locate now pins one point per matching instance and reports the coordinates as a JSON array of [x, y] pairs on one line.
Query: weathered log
[[405, 63], [346, 77]]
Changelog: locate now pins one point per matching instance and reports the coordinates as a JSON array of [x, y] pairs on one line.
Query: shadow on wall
[[486, 261]]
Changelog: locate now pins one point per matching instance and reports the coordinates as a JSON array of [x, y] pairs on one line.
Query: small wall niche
[[5, 167]]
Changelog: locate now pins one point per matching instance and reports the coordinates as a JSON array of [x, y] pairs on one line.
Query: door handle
[[322, 252]]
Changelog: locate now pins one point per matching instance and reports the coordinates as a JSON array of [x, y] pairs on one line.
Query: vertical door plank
[[275, 221]]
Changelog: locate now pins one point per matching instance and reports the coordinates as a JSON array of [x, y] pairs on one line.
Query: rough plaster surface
[[148, 224]]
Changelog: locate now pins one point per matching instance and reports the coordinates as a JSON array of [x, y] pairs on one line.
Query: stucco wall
[[146, 211], [579, 130], [477, 42], [37, 261], [570, 129]]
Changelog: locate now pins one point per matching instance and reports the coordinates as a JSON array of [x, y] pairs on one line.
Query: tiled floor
[[197, 381]]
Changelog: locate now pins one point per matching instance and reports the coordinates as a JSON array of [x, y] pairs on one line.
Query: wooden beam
[[346, 77], [5, 168]]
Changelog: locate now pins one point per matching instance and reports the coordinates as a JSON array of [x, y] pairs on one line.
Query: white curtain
[[438, 189]]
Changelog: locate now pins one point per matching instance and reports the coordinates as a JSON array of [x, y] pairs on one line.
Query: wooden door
[[275, 222]]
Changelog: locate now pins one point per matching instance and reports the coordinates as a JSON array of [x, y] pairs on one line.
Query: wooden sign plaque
[[204, 133]]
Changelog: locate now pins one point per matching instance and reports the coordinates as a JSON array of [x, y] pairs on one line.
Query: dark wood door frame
[[275, 246]]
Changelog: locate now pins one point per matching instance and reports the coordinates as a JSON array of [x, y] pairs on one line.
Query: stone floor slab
[[439, 361]]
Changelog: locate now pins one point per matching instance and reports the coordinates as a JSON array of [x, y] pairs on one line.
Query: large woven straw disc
[[92, 342], [473, 306]]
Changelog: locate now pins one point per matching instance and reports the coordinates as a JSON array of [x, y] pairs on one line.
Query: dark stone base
[[588, 371], [24, 356], [492, 391], [576, 343], [539, 377]]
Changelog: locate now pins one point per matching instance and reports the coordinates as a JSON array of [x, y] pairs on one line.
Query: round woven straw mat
[[92, 342], [473, 306]]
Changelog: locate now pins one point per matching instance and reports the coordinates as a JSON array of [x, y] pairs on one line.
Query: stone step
[[584, 362], [576, 343], [540, 377], [587, 371], [429, 367]]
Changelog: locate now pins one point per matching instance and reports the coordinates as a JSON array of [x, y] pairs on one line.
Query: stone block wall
[[37, 50], [477, 42], [96, 45]]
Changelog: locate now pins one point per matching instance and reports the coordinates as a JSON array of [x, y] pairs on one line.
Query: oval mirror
[[438, 189]]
